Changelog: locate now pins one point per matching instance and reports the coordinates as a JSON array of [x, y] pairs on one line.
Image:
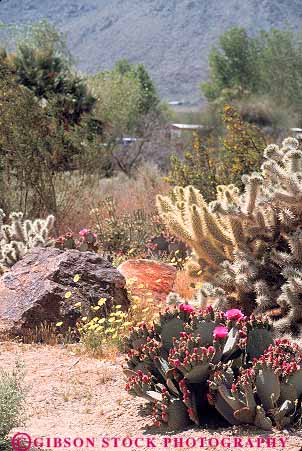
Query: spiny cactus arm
[[214, 228], [17, 228], [252, 187], [264, 297], [236, 230], [276, 173], [194, 197], [164, 205], [50, 222], [178, 228], [2, 216], [295, 244], [6, 234]]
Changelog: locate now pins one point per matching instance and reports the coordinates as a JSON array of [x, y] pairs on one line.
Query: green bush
[[12, 397]]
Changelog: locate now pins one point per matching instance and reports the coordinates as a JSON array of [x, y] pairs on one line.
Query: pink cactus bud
[[211, 350], [164, 416], [210, 398], [83, 232]]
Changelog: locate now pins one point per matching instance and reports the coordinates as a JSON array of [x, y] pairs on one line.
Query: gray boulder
[[33, 291]]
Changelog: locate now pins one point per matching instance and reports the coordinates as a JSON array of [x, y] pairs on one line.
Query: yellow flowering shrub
[[100, 334], [212, 160]]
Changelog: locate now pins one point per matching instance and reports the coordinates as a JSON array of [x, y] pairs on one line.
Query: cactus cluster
[[248, 246], [84, 241], [19, 236], [192, 362]]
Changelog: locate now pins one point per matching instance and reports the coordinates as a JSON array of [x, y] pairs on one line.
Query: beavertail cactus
[[209, 359], [266, 394]]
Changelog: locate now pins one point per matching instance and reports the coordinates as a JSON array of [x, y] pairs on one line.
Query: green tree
[[42, 63], [149, 100], [29, 147], [280, 67], [127, 104], [269, 64], [232, 64], [117, 103]]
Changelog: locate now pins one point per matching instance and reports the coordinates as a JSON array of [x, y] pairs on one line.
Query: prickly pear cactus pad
[[248, 245], [192, 363]]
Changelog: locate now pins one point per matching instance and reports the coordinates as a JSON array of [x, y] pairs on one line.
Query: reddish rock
[[149, 275], [33, 291]]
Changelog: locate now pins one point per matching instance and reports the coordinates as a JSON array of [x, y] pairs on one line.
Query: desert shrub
[[76, 202], [243, 147], [263, 112], [198, 168], [123, 233], [212, 162], [247, 244], [12, 397]]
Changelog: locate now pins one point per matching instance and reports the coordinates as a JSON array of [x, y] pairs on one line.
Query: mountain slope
[[171, 37]]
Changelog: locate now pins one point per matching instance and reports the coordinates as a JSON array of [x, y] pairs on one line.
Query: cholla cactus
[[188, 216], [248, 246], [192, 361], [18, 237]]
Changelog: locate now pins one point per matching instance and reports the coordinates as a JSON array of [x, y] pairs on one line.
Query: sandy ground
[[70, 396]]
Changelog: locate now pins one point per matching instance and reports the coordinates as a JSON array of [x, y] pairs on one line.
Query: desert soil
[[71, 395]]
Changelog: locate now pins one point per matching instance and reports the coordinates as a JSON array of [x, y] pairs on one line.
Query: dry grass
[[78, 195]]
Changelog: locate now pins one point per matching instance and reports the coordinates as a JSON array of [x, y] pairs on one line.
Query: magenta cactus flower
[[234, 314], [186, 308], [220, 332], [83, 232]]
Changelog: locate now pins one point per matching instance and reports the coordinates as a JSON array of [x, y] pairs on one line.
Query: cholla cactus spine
[[18, 237]]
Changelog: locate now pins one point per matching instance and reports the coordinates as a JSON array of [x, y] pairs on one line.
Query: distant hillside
[[171, 37]]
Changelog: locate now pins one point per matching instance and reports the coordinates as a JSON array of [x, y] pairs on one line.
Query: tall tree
[[232, 64]]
